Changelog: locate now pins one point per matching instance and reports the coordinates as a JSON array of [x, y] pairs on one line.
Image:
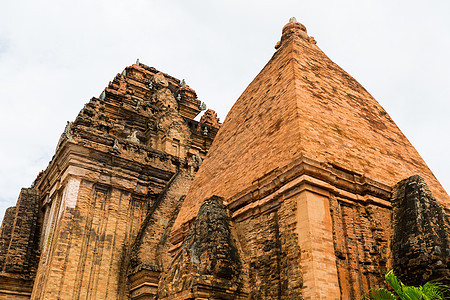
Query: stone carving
[[103, 95], [277, 45], [67, 131], [293, 28], [187, 92], [160, 79], [117, 87], [164, 98], [172, 132], [210, 118], [116, 145], [133, 137], [138, 104], [197, 160], [189, 105], [203, 106], [151, 125]]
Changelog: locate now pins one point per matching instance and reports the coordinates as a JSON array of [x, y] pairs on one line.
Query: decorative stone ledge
[[144, 284], [268, 191]]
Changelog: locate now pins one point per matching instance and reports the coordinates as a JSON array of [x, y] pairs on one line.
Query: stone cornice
[[268, 191], [342, 182], [72, 159]]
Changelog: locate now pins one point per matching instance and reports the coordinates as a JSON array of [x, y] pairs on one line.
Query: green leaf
[[414, 293], [436, 290], [395, 284], [379, 294], [429, 291]]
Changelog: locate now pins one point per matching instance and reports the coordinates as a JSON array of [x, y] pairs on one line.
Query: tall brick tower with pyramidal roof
[[306, 161], [308, 190]]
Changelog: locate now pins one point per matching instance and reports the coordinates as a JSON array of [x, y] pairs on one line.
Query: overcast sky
[[56, 54]]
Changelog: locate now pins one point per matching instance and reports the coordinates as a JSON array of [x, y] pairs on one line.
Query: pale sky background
[[56, 54]]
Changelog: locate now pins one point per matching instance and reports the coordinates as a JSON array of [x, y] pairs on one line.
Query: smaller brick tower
[[130, 152]]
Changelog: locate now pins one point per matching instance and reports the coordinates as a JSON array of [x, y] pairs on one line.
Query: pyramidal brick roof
[[303, 104]]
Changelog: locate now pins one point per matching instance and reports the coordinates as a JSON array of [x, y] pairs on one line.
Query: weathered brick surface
[[19, 242], [13, 288], [291, 277], [420, 243], [21, 257], [361, 239], [261, 244], [208, 265], [150, 250], [5, 233], [271, 254], [149, 255], [303, 106], [13, 297], [316, 244], [89, 244]]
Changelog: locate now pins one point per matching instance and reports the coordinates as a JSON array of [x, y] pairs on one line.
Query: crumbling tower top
[[294, 27]]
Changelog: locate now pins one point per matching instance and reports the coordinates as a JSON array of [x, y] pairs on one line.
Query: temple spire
[[294, 28], [325, 106]]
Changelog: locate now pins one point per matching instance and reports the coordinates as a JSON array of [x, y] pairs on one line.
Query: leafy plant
[[429, 291]]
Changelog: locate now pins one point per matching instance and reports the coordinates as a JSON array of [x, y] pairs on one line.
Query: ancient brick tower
[[302, 194], [123, 156], [306, 161]]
